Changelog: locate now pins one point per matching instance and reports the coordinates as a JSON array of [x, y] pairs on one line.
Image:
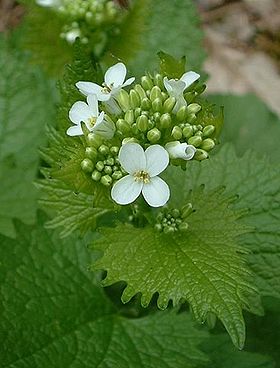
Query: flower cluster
[[81, 16], [137, 134]]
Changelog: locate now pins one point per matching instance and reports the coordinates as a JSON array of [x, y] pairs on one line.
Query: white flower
[[180, 150], [143, 168], [176, 88], [89, 114], [48, 3], [114, 80], [71, 36]]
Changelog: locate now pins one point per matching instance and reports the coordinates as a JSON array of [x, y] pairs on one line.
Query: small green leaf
[[170, 66], [53, 314], [203, 265]]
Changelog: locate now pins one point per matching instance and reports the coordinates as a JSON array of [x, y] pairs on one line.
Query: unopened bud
[[200, 154], [142, 123], [87, 165], [188, 131], [91, 153], [146, 104], [114, 150], [108, 170], [96, 175], [187, 210], [123, 100], [147, 82], [177, 133], [154, 135], [141, 92], [94, 140], [137, 112], [155, 93], [103, 149], [175, 213], [158, 227], [117, 175], [208, 144], [129, 140], [106, 180], [99, 165], [165, 121], [169, 104], [195, 140], [157, 104], [182, 113], [168, 230], [129, 117], [183, 226], [134, 99], [193, 108], [158, 79], [123, 126], [208, 130], [191, 118], [110, 161]]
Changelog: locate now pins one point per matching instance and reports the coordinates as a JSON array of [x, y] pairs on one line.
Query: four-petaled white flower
[[89, 114], [180, 150], [176, 88], [114, 80], [143, 168]]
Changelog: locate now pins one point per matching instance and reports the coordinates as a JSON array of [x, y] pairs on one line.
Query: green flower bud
[[164, 96], [142, 123], [193, 108], [156, 117], [87, 165], [106, 180], [123, 126], [123, 100], [158, 79], [99, 165], [134, 99], [175, 213], [208, 130], [187, 210], [188, 131], [104, 150], [129, 117], [208, 144], [146, 104], [176, 133], [195, 141], [110, 161], [191, 118], [169, 104], [157, 104], [182, 113], [165, 121], [96, 175], [183, 226], [134, 129], [108, 170], [200, 155], [154, 135], [91, 153], [147, 82], [155, 93], [137, 112], [169, 230], [94, 140], [114, 150], [141, 92], [199, 133], [158, 227], [117, 175], [129, 140]]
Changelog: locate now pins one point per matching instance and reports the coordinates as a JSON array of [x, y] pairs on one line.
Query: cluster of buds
[[139, 132], [82, 17], [171, 220]]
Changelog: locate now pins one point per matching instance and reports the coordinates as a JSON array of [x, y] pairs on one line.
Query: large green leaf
[[249, 124], [54, 315], [203, 266], [172, 27], [26, 103]]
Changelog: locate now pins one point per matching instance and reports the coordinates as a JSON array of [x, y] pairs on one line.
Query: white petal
[[179, 103], [112, 106], [189, 78], [126, 190], [157, 159], [106, 129], [89, 88], [156, 192], [132, 157], [128, 82], [180, 150], [46, 2], [79, 112], [167, 84], [75, 130], [72, 35], [177, 86], [93, 104], [115, 75]]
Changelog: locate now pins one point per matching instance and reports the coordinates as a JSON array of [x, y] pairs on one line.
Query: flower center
[[92, 121], [142, 176], [107, 89]]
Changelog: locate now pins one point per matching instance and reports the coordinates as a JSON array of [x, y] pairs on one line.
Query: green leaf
[[26, 103], [203, 266], [170, 66], [250, 124], [171, 27], [53, 314]]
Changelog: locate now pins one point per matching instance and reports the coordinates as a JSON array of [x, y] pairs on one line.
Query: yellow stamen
[[92, 121], [106, 88], [142, 176]]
